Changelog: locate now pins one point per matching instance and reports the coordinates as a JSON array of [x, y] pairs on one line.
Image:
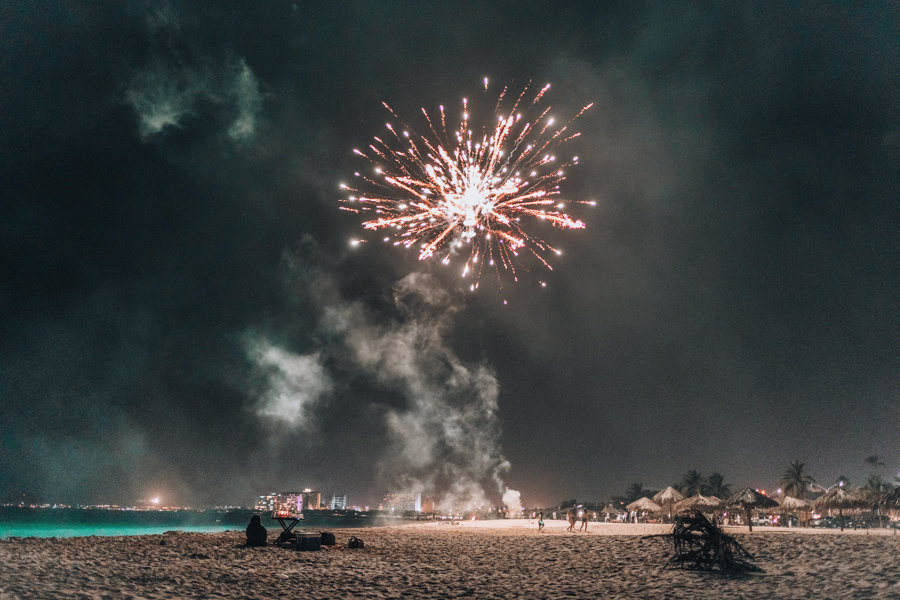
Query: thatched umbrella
[[667, 498], [609, 509], [699, 502], [789, 505], [748, 500], [840, 498], [644, 504]]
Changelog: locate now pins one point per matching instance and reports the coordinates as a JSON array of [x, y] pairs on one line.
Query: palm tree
[[637, 490], [874, 490], [633, 492], [716, 486], [875, 487], [874, 462], [691, 483], [794, 482]]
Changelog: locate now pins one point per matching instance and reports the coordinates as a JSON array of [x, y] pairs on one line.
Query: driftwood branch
[[700, 544]]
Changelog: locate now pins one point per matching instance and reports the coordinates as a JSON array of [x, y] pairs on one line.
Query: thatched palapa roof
[[668, 496], [644, 504], [700, 502], [609, 509], [748, 498], [841, 498], [789, 503]]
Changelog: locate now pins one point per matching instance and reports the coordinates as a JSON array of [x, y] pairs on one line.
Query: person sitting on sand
[[256, 533]]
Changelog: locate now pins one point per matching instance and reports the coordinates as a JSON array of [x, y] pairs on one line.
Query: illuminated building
[[394, 501], [288, 503], [312, 500], [266, 503], [338, 502]]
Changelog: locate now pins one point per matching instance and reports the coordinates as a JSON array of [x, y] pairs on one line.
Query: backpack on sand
[[355, 542]]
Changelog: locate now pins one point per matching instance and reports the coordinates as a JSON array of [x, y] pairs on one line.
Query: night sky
[[181, 314]]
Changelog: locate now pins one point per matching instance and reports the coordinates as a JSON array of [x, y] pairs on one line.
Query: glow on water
[[15, 522], [105, 530]]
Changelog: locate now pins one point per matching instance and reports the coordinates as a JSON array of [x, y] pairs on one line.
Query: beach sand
[[495, 559]]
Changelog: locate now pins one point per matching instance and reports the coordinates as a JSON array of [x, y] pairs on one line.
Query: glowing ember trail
[[465, 194]]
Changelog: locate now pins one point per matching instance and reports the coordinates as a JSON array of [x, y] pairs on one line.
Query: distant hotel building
[[394, 501], [313, 499], [338, 503], [289, 503], [266, 503]]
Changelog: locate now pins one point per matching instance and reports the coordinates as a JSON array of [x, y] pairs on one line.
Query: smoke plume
[[294, 383], [440, 424], [512, 500], [176, 84]]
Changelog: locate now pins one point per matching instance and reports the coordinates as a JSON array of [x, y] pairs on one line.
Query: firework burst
[[469, 192]]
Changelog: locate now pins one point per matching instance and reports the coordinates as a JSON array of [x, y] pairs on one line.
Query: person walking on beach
[[571, 517], [584, 521], [541, 521]]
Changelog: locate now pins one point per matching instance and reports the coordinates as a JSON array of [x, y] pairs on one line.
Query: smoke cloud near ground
[[442, 433], [512, 500]]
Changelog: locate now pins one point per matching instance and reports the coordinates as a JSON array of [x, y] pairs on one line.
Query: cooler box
[[309, 541]]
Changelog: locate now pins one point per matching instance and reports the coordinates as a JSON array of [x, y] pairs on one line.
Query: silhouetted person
[[256, 533], [584, 521]]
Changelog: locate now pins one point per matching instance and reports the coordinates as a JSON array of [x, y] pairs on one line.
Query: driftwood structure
[[700, 544]]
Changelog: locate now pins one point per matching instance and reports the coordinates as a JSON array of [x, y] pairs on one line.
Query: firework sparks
[[468, 194]]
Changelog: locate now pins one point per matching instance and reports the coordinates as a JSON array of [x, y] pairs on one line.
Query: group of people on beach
[[571, 516], [584, 515]]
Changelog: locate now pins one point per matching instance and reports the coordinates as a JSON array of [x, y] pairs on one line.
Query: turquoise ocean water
[[67, 522], [8, 530]]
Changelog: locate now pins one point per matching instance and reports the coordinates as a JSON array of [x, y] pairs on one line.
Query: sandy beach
[[493, 559]]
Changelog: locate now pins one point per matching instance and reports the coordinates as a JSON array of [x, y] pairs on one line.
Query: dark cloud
[[176, 275]]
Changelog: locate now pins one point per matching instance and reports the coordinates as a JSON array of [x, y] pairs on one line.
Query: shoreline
[[654, 528], [480, 559], [14, 531]]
